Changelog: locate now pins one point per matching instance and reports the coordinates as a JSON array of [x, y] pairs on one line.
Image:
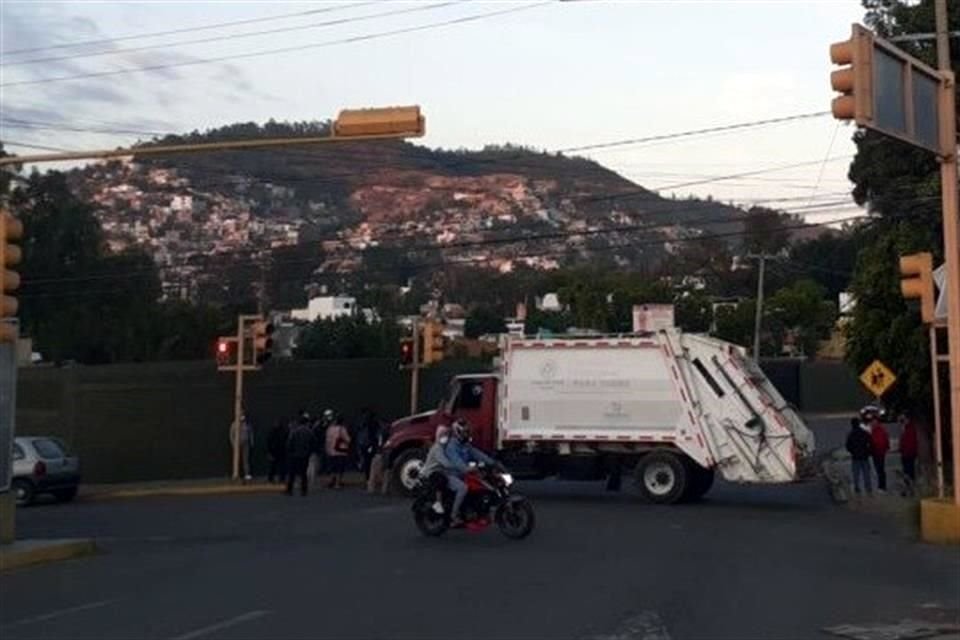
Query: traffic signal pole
[[238, 397], [951, 228], [415, 369]]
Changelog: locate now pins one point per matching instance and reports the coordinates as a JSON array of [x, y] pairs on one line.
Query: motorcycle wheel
[[515, 519], [430, 522]]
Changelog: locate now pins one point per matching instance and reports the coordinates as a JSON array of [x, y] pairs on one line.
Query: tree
[[483, 321], [734, 323], [766, 231], [349, 337], [801, 311], [692, 312]]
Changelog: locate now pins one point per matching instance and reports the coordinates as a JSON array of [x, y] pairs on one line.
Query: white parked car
[[43, 465]]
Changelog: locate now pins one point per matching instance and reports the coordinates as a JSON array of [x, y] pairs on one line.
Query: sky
[[551, 75]]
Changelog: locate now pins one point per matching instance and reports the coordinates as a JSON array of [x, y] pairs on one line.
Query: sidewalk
[[193, 487]]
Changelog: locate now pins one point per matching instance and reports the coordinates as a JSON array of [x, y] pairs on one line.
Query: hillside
[[339, 208]]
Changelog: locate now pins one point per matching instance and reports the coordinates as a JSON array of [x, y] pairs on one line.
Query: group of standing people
[[304, 448], [869, 441]]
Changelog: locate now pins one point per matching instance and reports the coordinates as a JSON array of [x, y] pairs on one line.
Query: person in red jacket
[[908, 448], [880, 445]]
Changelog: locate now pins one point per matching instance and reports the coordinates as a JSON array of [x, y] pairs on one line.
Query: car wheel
[[65, 495], [406, 470], [22, 491], [662, 477]]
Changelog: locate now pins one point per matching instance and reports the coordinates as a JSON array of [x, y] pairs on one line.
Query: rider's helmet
[[869, 412], [461, 430]]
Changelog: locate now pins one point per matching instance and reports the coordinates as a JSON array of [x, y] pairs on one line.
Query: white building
[[326, 308]]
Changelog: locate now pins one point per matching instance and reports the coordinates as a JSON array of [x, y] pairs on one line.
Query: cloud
[[35, 26]]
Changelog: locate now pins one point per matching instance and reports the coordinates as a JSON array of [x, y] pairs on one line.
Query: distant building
[[549, 302], [326, 308]]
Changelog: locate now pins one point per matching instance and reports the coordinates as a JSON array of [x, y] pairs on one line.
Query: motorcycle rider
[[437, 465], [460, 454]]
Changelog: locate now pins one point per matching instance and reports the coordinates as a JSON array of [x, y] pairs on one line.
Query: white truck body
[[699, 395]]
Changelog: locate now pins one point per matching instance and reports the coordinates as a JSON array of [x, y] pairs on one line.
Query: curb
[[159, 492], [25, 553]]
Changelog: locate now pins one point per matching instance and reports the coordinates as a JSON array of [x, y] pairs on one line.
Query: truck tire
[[405, 469], [662, 477], [700, 482]]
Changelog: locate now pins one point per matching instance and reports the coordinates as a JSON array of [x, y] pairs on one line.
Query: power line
[[694, 132], [156, 34], [235, 36], [281, 50]]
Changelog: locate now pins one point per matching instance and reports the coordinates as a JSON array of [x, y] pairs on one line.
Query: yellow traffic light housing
[[917, 282], [10, 229], [433, 344], [855, 81], [262, 341], [390, 121]]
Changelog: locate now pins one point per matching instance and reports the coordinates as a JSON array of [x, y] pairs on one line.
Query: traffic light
[[432, 342], [854, 81], [10, 229], [262, 341], [916, 270], [389, 121], [226, 352], [406, 352]]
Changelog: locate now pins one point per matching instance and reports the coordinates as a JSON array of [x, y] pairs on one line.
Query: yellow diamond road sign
[[877, 378]]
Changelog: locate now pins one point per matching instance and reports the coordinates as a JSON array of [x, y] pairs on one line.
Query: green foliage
[[692, 312], [766, 231], [483, 320], [801, 310], [349, 337], [734, 323]]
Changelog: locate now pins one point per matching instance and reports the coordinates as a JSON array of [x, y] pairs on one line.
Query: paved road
[[746, 563]]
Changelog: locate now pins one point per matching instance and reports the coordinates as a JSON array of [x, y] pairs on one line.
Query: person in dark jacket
[[300, 444], [369, 433], [277, 451], [859, 446]]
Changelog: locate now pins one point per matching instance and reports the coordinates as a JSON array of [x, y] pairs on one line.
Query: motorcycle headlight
[[507, 479]]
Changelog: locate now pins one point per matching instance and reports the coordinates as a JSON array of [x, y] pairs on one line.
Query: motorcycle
[[488, 500]]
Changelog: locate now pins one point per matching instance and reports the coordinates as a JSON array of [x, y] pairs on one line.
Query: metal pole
[[238, 397], [937, 427], [759, 314], [8, 398], [415, 369], [951, 229]]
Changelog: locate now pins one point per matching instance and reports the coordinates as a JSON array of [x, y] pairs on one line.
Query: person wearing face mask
[[437, 465]]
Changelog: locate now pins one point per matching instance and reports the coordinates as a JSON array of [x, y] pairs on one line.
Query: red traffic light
[[406, 351], [222, 347]]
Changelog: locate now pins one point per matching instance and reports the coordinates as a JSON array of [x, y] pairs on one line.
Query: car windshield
[[48, 449]]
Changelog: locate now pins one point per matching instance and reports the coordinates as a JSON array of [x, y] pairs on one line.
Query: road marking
[[59, 612], [223, 624], [645, 626]]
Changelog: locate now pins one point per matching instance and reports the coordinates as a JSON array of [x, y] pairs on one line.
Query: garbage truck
[[673, 409]]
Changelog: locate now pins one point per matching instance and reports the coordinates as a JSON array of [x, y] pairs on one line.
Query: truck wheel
[[662, 477], [406, 470], [700, 482]]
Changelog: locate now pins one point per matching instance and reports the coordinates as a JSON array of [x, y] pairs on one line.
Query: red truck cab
[[471, 397]]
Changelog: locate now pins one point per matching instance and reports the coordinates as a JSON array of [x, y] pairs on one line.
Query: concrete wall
[[171, 420]]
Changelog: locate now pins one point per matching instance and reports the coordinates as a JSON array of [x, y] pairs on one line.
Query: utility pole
[[415, 368], [758, 317], [951, 227]]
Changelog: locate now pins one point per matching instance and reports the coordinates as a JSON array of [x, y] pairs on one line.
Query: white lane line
[[223, 624], [59, 612]]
